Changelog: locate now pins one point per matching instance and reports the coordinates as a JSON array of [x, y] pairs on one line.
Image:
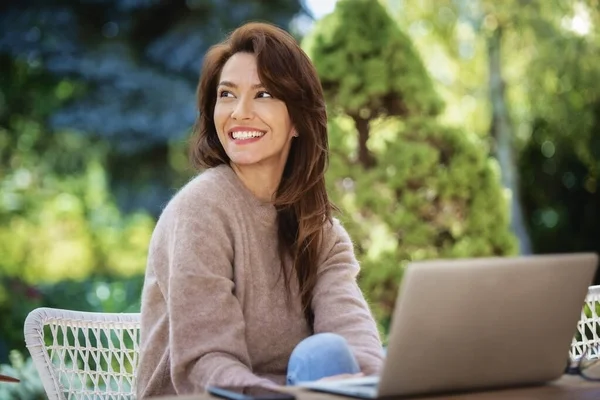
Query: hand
[[342, 376]]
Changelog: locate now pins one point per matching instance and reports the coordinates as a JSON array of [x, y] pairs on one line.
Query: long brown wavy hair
[[301, 200]]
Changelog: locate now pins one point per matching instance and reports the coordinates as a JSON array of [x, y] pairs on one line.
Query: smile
[[246, 135]]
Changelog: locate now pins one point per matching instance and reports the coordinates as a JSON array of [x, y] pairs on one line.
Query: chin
[[245, 160], [254, 158]]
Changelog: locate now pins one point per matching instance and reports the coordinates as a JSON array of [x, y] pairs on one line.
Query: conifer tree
[[409, 187]]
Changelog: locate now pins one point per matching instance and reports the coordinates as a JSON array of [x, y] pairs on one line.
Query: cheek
[[219, 117], [286, 124], [280, 117]]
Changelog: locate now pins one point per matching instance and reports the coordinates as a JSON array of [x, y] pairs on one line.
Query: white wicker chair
[[588, 327], [84, 355]]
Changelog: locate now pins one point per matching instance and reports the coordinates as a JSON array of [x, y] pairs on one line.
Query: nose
[[242, 110]]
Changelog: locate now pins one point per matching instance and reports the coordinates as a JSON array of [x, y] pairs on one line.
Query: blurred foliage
[[138, 61], [30, 386], [58, 218], [427, 190], [562, 196], [58, 221], [560, 160], [552, 77]]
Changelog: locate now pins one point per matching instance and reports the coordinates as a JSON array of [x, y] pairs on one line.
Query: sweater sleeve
[[339, 305], [206, 324]]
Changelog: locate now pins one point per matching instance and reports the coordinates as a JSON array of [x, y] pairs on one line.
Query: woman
[[249, 280]]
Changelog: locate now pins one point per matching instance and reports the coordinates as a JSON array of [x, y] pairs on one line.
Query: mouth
[[246, 135]]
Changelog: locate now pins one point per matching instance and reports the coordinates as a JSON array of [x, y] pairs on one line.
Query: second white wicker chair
[[587, 337], [84, 355]]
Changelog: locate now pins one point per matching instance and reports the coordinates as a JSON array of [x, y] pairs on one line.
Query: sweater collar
[[264, 210]]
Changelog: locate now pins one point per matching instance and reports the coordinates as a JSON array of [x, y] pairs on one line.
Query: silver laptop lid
[[484, 323]]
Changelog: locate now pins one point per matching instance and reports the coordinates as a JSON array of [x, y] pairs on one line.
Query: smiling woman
[[253, 127], [250, 281]]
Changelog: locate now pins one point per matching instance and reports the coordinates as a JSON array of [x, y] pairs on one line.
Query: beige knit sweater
[[213, 303]]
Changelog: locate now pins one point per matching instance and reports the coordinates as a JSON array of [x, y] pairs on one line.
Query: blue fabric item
[[319, 356]]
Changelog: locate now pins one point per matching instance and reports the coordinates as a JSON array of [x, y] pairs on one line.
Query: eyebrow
[[233, 85]]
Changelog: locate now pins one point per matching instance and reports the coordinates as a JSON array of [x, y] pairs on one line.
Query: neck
[[259, 180]]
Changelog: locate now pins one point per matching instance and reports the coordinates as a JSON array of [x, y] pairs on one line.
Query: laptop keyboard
[[363, 389], [367, 384]]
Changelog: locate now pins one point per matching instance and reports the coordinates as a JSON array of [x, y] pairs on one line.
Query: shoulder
[[203, 198], [334, 232], [210, 188], [336, 241]]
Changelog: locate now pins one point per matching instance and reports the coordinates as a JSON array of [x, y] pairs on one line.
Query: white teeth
[[246, 134]]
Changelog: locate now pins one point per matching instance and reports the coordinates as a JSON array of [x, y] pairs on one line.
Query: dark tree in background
[[560, 162], [139, 60], [562, 200]]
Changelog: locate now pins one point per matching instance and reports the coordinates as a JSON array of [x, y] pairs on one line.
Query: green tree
[[411, 187], [523, 74], [359, 57], [560, 161]]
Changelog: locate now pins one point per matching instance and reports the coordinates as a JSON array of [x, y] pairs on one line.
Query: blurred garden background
[[458, 128]]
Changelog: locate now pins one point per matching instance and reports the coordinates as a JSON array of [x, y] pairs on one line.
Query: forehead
[[241, 68]]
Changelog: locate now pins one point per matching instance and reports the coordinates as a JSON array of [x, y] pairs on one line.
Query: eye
[[225, 93], [263, 95]]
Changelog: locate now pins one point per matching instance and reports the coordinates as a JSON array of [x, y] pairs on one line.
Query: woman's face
[[253, 127]]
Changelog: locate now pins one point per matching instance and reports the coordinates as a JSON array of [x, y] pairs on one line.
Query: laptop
[[475, 324]]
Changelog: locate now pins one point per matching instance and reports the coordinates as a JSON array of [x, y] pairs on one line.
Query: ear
[[294, 132]]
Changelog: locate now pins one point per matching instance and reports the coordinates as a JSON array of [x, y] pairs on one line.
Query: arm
[[339, 305], [206, 323]]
